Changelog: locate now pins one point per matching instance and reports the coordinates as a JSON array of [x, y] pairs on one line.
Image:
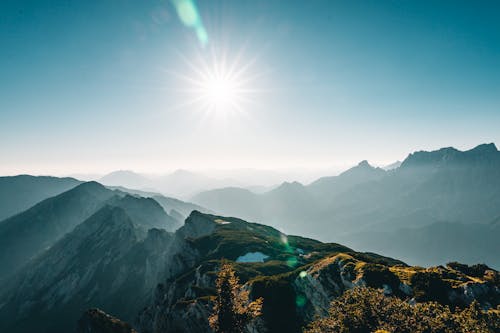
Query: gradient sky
[[93, 86]]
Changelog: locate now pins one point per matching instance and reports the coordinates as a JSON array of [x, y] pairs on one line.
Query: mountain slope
[[27, 234], [298, 278], [146, 212], [166, 280], [103, 262], [18, 193]]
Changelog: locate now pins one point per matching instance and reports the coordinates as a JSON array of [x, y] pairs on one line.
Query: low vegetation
[[367, 310], [232, 310]]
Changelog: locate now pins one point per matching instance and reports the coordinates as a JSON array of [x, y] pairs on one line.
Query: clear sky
[[93, 86]]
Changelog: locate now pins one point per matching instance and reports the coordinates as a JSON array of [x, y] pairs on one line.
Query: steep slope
[[166, 280], [297, 277], [176, 208], [146, 212], [18, 193], [104, 262], [27, 234]]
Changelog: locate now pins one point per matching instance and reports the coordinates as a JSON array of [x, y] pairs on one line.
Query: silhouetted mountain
[[18, 193], [331, 186], [446, 185], [125, 178], [181, 209], [146, 212], [105, 262], [27, 234], [180, 183], [438, 243]]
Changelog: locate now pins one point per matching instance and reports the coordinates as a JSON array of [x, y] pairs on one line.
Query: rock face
[[298, 280], [159, 281], [97, 321]]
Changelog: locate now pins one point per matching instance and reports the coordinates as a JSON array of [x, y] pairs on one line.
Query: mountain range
[[160, 281], [428, 188], [29, 233], [152, 261]]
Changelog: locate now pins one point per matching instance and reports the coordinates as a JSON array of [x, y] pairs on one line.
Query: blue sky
[[93, 86]]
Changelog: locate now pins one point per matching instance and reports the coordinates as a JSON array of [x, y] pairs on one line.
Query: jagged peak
[[362, 167], [447, 154], [197, 224], [484, 148], [364, 164]]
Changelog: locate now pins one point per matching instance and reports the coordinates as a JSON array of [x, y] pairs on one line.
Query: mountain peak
[[92, 185], [197, 224], [448, 155], [485, 148], [364, 164], [289, 185]]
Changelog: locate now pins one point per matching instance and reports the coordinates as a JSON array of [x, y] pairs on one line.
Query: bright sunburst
[[219, 91], [218, 87]]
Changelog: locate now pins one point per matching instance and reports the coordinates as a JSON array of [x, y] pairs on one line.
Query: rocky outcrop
[[97, 321]]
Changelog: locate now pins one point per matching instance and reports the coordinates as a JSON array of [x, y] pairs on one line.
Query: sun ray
[[218, 83]]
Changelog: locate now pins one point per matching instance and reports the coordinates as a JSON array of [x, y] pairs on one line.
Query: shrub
[[429, 286], [232, 310], [366, 310]]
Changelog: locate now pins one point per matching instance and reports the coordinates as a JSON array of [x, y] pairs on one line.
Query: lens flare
[[188, 13]]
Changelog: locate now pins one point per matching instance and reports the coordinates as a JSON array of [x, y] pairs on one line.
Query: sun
[[217, 86], [220, 89], [220, 92]]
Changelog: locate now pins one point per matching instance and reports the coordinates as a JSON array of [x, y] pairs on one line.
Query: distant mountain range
[[427, 189], [130, 253], [181, 183], [185, 183]]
